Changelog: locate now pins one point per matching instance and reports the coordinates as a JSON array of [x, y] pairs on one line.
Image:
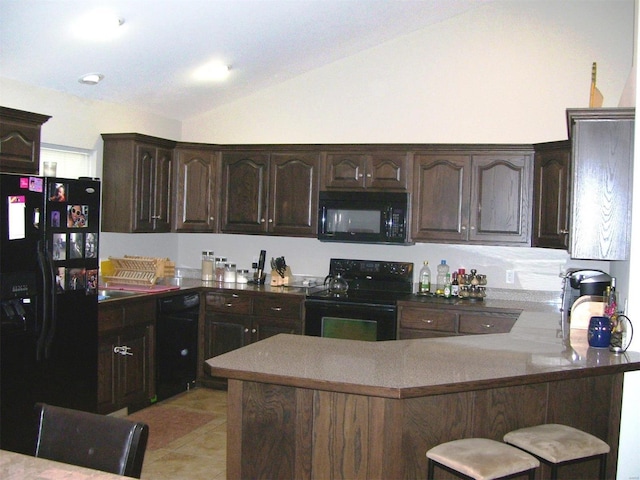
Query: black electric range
[[367, 311]]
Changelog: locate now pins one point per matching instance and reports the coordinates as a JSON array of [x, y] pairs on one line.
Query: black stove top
[[370, 281]]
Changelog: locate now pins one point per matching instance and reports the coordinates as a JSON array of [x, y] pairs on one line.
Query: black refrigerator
[[49, 232]]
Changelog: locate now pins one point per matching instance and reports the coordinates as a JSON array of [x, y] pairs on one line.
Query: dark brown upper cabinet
[[366, 170], [137, 179], [269, 192], [195, 201], [467, 196], [602, 142], [551, 194], [20, 140]]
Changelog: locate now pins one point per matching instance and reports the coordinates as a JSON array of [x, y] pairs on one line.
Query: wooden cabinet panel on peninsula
[[366, 170], [126, 365], [417, 320], [602, 144], [235, 318], [195, 199], [269, 192], [20, 140], [136, 193], [473, 196], [551, 194]]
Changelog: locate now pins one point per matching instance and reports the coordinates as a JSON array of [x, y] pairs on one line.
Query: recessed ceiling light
[[98, 25], [91, 78], [212, 71]]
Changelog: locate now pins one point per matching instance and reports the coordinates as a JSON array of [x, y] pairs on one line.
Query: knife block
[[278, 281]]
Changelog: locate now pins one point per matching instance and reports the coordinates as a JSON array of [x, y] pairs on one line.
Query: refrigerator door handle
[[53, 303], [43, 312]]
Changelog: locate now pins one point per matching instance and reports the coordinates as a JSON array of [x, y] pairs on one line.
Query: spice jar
[[207, 265], [219, 271], [229, 273]]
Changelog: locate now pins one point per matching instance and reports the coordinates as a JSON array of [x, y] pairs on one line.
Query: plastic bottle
[[424, 285], [447, 286], [443, 269]]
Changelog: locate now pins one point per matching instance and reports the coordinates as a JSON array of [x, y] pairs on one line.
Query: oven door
[[355, 321]]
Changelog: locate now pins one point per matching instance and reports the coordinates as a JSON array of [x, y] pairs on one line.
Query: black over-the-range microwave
[[364, 217]]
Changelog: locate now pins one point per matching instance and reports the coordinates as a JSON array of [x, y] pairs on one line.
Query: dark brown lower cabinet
[[126, 362], [418, 321], [234, 319]]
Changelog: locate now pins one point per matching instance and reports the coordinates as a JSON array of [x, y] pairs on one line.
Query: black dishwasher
[[176, 344]]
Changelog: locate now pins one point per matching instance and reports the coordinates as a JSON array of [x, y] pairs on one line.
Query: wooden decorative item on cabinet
[[20, 140], [269, 192], [551, 194], [602, 142], [136, 173], [126, 358], [235, 318], [416, 320], [473, 196], [195, 193], [366, 170]]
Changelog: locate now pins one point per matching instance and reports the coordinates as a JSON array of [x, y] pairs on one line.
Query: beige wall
[[504, 73]]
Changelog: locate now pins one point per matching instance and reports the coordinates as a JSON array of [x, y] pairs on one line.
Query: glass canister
[[208, 261], [229, 273], [219, 269], [242, 275]]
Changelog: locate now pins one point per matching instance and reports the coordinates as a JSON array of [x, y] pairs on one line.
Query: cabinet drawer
[[427, 319], [277, 307], [486, 323], [229, 302]]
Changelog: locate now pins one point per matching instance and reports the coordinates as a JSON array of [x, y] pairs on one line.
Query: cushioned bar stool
[[480, 459], [559, 445]]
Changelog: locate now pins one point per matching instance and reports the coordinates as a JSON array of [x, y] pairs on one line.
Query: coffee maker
[[578, 282]]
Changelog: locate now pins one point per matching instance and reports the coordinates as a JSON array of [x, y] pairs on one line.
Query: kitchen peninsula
[[310, 407]]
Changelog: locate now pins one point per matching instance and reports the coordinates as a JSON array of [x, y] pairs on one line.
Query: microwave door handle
[[323, 220], [388, 222]]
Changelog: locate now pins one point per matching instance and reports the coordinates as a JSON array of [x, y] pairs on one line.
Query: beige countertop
[[534, 351], [15, 466]]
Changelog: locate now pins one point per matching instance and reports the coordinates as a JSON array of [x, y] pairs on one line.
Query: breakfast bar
[[311, 407]]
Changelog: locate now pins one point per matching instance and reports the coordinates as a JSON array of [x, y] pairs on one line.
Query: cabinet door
[[195, 201], [551, 194], [293, 205], [440, 208], [387, 171], [500, 211], [20, 140], [224, 333], [152, 195], [345, 171], [107, 374], [135, 370], [268, 327], [244, 192], [602, 185]]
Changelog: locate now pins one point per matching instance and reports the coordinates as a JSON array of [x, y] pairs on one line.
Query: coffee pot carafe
[[579, 282], [336, 284]]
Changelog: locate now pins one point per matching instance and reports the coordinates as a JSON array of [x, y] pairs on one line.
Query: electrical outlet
[[510, 276]]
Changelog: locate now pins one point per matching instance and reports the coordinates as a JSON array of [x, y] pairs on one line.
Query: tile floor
[[199, 454]]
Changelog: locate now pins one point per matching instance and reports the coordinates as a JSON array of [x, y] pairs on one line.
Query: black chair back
[[110, 444]]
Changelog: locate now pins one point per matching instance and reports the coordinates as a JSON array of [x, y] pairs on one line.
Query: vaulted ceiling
[[149, 63]]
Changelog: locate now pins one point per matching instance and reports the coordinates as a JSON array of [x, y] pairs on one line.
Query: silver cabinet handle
[[428, 321], [262, 220], [246, 330], [122, 350], [369, 175], [276, 309], [235, 295], [253, 330], [488, 325], [228, 305], [463, 228]]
